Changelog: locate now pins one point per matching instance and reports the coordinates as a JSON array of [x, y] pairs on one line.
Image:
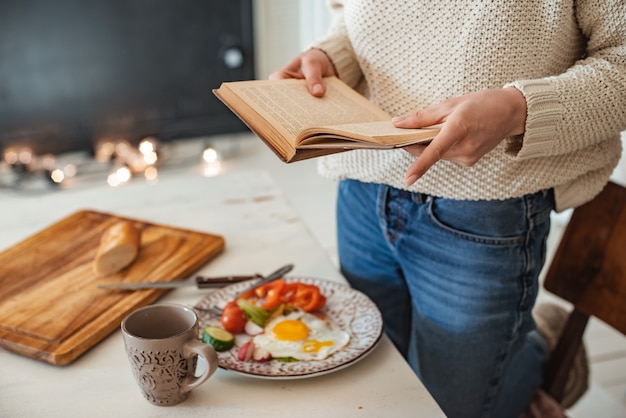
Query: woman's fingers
[[312, 65], [472, 125], [427, 155]]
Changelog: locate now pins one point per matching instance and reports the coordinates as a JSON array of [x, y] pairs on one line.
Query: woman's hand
[[473, 125], [311, 65]]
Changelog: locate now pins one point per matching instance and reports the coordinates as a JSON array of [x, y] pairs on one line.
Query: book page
[[288, 104], [382, 134]]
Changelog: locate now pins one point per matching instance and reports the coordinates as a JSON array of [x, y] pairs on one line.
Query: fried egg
[[302, 336]]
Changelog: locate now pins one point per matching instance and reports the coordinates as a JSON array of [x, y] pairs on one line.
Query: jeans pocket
[[502, 222]]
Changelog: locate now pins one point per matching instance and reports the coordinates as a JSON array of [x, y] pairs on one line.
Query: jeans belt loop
[[420, 198]]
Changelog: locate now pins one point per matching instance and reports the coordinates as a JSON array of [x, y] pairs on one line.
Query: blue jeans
[[456, 282]]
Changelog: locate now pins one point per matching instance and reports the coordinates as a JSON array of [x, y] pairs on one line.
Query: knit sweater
[[568, 58]]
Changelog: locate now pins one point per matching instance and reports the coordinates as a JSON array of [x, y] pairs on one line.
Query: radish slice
[[253, 329], [246, 351], [261, 355]]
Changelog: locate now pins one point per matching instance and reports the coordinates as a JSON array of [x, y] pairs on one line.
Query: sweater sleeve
[[336, 44], [586, 104]]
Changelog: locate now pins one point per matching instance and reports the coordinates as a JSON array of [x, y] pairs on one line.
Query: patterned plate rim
[[352, 310]]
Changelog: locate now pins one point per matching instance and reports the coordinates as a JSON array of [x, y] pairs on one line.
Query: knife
[[201, 282], [270, 278]]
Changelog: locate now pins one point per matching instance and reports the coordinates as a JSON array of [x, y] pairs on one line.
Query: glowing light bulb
[[57, 176], [212, 169], [120, 176], [151, 174], [210, 155], [69, 170], [146, 147], [123, 149], [123, 173], [10, 156], [104, 151], [150, 158], [212, 164], [25, 156]]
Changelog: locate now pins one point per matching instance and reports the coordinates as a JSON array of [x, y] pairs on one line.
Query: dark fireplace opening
[[74, 72]]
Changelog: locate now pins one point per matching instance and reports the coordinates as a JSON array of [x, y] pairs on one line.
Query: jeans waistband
[[418, 197]]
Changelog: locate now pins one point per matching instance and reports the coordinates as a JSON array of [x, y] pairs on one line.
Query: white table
[[262, 232]]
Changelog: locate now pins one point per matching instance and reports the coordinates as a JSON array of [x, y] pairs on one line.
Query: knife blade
[[269, 278], [201, 282]]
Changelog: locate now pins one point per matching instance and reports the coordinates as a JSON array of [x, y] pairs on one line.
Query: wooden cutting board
[[50, 306]]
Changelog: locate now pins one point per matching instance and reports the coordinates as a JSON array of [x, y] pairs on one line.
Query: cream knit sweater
[[568, 58]]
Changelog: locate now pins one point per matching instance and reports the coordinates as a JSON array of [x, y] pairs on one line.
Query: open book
[[297, 125]]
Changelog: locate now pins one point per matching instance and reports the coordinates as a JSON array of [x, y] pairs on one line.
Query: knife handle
[[204, 282]]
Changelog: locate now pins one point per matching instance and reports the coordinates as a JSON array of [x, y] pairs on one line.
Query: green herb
[[285, 359]]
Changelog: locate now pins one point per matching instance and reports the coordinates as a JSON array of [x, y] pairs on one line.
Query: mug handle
[[193, 347]]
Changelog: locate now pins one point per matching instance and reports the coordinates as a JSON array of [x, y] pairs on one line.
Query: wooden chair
[[588, 270]]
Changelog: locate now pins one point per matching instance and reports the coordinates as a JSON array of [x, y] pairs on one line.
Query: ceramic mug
[[162, 344]]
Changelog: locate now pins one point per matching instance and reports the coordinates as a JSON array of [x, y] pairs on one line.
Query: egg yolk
[[313, 346], [291, 330]]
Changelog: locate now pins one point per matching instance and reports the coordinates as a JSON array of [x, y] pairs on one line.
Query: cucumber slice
[[218, 338]]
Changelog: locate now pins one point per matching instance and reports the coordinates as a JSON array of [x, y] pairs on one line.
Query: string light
[[209, 155], [147, 145], [120, 176], [151, 174], [105, 150], [18, 155], [21, 167], [10, 156], [70, 170], [25, 156], [212, 165], [57, 176], [148, 148]]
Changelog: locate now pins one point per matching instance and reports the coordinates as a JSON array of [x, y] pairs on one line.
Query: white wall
[[283, 28]]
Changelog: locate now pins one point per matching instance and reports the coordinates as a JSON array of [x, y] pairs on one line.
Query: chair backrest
[[589, 270]]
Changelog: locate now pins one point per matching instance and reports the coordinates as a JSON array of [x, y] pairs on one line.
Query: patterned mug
[[163, 346]]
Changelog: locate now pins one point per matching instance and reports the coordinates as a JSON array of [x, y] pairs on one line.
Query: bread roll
[[118, 248]]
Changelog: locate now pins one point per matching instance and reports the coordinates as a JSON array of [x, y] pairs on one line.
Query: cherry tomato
[[233, 319]]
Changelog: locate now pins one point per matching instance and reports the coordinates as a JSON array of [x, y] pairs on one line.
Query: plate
[[348, 308]]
